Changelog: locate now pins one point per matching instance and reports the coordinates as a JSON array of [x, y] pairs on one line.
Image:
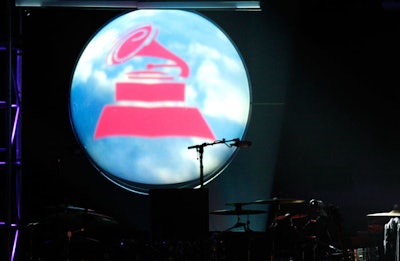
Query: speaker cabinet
[[179, 214]]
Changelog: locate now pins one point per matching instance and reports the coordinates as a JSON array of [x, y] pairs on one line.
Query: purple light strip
[[14, 245], [19, 76], [3, 103], [15, 125], [17, 163], [2, 223]]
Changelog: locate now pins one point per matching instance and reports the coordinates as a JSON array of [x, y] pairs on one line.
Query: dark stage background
[[324, 125]]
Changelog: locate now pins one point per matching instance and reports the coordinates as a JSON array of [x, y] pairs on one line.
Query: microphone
[[242, 143]]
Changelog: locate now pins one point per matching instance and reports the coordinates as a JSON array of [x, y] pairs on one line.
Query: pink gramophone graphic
[[139, 108]]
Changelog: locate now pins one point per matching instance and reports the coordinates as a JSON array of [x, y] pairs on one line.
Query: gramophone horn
[[142, 42]]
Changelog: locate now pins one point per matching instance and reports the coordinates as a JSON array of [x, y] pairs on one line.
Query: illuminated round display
[[149, 85]]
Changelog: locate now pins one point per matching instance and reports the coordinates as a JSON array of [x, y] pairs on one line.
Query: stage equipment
[[179, 214], [10, 141], [124, 4], [290, 216], [200, 150], [67, 232], [278, 201], [308, 234], [73, 217], [238, 211], [284, 235], [390, 214], [377, 221], [386, 225]]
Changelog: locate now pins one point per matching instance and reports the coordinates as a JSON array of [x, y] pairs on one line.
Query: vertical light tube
[[14, 245]]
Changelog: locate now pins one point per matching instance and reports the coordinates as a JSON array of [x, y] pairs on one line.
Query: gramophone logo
[[148, 85]]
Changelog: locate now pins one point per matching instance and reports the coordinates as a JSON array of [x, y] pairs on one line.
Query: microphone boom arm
[[200, 149]]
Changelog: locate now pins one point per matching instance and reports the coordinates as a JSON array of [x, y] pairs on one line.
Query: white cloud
[[198, 50], [190, 94], [218, 74], [223, 98], [96, 50], [101, 79]]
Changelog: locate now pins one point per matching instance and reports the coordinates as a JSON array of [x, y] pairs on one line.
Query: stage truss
[[10, 147]]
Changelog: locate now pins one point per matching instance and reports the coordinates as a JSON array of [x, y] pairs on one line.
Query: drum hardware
[[294, 234], [66, 230], [286, 218], [239, 211], [273, 201], [377, 221], [320, 249], [72, 218], [312, 236], [276, 202], [283, 234]]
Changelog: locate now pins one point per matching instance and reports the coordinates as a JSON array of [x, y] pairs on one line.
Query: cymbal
[[278, 201], [267, 201], [237, 212], [74, 217], [393, 213], [67, 209]]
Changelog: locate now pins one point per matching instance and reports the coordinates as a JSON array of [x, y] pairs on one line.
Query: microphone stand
[[200, 151]]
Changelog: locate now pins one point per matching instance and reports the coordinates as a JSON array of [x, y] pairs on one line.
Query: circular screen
[[150, 85]]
